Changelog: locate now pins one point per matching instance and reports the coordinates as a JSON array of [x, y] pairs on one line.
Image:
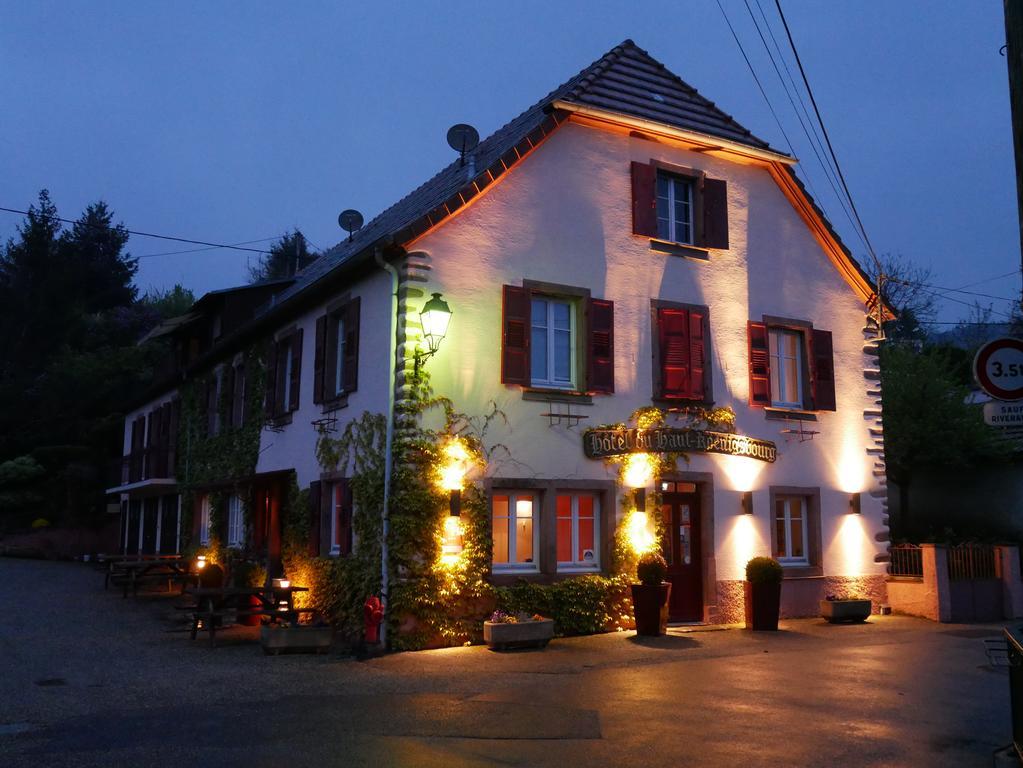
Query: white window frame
[[547, 378], [786, 500], [779, 377], [674, 224], [204, 521], [339, 351], [512, 566], [235, 522], [337, 501], [579, 566]]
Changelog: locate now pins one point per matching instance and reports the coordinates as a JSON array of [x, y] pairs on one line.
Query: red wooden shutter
[[759, 365], [270, 395], [697, 354], [320, 353], [823, 371], [315, 489], [351, 361], [515, 336], [674, 347], [644, 199], [715, 214], [601, 347], [296, 370]]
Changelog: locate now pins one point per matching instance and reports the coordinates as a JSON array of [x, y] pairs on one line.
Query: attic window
[[657, 97]]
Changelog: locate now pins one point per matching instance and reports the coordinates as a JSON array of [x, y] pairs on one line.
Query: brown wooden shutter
[[515, 336], [323, 520], [320, 353], [270, 395], [715, 214], [697, 354], [351, 361], [238, 414], [315, 489], [823, 371], [673, 344], [644, 199], [601, 347], [296, 370], [759, 365]]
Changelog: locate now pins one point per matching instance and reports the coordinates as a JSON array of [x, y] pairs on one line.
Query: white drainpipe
[[385, 517]]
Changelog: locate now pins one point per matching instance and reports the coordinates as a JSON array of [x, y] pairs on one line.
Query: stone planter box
[[845, 611], [520, 634], [300, 639]]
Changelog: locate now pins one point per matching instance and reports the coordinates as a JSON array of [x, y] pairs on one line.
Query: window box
[[845, 611], [502, 636], [298, 639]]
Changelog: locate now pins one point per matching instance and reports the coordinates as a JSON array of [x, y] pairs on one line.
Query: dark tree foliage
[[70, 321], [288, 255]]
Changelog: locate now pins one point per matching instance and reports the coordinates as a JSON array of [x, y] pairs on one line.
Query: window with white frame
[[514, 515], [235, 522], [578, 536], [553, 342], [204, 521], [786, 351], [791, 532], [341, 538], [286, 388], [674, 208]]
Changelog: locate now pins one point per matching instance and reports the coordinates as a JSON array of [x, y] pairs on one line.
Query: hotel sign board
[[1003, 414], [998, 368], [600, 443]]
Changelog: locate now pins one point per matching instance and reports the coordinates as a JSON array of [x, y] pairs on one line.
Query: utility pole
[[1014, 59]]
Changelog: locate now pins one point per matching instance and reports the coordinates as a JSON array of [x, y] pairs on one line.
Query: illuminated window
[[553, 343], [204, 521], [235, 522], [786, 352], [791, 533], [515, 532], [674, 208], [578, 537]]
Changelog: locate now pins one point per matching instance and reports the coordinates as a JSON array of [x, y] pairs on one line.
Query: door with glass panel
[[680, 510]]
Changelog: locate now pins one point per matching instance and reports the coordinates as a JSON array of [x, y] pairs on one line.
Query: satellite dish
[[463, 138], [350, 220]]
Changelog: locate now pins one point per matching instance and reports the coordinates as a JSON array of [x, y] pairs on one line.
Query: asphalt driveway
[[89, 678]]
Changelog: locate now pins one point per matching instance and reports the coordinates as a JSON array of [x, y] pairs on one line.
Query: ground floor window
[[235, 522], [340, 519], [578, 535], [204, 521], [795, 529], [514, 529]]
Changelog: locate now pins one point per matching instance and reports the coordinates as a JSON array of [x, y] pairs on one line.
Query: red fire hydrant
[[373, 614]]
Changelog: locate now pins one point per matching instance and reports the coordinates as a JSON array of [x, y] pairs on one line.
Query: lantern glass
[[434, 318]]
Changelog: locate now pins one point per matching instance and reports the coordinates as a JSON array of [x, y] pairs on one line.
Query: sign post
[[998, 368]]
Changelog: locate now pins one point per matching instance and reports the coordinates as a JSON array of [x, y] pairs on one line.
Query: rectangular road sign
[[999, 414]]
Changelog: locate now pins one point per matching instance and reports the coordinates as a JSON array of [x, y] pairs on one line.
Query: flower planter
[[650, 607], [763, 604], [845, 611], [299, 639], [503, 636]]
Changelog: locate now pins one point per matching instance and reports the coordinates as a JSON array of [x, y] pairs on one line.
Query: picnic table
[[213, 603], [163, 568]]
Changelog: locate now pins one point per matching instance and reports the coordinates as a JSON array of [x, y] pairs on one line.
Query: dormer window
[[674, 208]]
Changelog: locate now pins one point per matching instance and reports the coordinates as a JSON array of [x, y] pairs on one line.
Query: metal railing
[[971, 561], [906, 560]]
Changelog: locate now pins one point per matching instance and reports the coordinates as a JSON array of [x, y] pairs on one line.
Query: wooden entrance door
[[680, 508]]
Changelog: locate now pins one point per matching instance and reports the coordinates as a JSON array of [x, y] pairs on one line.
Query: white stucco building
[[623, 243]]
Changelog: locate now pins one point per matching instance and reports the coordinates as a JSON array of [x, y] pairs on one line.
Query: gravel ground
[[89, 678]]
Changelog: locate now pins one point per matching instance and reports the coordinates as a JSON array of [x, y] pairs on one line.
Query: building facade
[[623, 244]]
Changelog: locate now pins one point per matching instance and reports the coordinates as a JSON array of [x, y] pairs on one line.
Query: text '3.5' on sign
[[998, 368]]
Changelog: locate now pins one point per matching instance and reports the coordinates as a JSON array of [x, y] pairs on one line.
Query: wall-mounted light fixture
[[434, 319], [452, 475], [746, 503], [854, 503]]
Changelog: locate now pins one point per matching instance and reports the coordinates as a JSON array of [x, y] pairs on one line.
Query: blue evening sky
[[234, 122]]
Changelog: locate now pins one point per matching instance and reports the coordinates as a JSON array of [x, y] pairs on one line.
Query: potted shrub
[[650, 596], [763, 593], [506, 631]]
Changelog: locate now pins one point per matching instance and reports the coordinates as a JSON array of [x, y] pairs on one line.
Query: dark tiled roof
[[625, 80]]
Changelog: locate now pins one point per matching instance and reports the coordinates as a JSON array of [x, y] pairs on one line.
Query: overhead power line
[[150, 234], [197, 250]]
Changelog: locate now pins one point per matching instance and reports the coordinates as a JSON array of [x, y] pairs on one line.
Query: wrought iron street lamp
[[434, 319]]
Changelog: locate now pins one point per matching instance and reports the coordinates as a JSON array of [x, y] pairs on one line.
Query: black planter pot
[[763, 603], [650, 607]]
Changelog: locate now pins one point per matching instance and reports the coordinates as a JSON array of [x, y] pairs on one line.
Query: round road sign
[[998, 368]]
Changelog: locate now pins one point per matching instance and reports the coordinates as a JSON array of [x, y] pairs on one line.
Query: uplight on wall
[[854, 504], [452, 476], [746, 503]]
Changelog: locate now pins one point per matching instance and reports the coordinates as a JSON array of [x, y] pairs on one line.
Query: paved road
[[90, 679]]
